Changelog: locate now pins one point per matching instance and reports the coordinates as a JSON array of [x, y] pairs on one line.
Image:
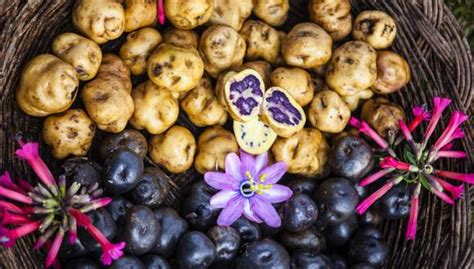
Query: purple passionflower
[[248, 187]]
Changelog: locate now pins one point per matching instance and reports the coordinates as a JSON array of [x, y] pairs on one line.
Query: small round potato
[[263, 41], [383, 116], [82, 53], [232, 13], [307, 45], [181, 38], [333, 15], [353, 101], [376, 28], [188, 14], [100, 21], [328, 112], [352, 68], [48, 85], [69, 133], [221, 48], [139, 14], [115, 72], [305, 153], [173, 150], [202, 106], [174, 68], [296, 81], [213, 146], [263, 68], [393, 72], [273, 12], [138, 47], [155, 108]]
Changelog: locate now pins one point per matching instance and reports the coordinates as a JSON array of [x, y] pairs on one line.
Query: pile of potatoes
[[329, 65]]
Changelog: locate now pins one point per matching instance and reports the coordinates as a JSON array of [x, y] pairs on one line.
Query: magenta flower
[[365, 128], [420, 115], [29, 152], [161, 12], [466, 178], [413, 218], [456, 119], [375, 176], [9, 218], [440, 104], [54, 249], [369, 201], [248, 187], [8, 237], [390, 162]]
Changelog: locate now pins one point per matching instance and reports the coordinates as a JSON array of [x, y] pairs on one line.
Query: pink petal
[[231, 212], [260, 162], [265, 211], [439, 105], [367, 202], [29, 152], [247, 163], [112, 252], [413, 219], [277, 194], [232, 166], [273, 173], [443, 196], [53, 251], [375, 176], [468, 178], [457, 118], [161, 12], [222, 198], [249, 214], [221, 181]]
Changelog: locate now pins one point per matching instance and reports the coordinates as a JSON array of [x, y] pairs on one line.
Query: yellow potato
[[383, 116], [296, 81], [188, 14], [263, 41], [263, 68], [328, 112], [393, 72], [138, 47], [139, 14], [273, 12], [232, 13], [333, 15], [181, 38], [353, 101], [376, 28]]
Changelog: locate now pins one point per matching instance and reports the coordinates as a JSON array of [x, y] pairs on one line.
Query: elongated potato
[[138, 47]]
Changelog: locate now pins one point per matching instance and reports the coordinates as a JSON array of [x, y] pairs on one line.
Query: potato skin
[[213, 146], [138, 47], [307, 45], [181, 38], [48, 85], [174, 68], [383, 116], [82, 53], [263, 41], [376, 28], [202, 106], [139, 14], [69, 133], [333, 15], [174, 149], [328, 112], [296, 81], [352, 68], [188, 14], [155, 108], [306, 152], [221, 48], [232, 13], [264, 69], [273, 12], [393, 72], [100, 21], [353, 101]]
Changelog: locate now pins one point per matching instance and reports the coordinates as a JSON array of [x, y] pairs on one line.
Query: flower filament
[[249, 187]]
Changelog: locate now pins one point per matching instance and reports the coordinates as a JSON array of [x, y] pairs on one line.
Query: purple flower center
[[246, 189]]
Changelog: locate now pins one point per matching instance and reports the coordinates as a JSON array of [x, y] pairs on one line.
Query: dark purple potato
[[103, 221], [128, 262], [338, 261], [140, 230], [338, 235], [363, 266], [227, 242], [82, 263], [299, 213], [152, 189], [122, 171], [197, 210], [361, 191], [302, 185], [81, 170], [248, 231], [119, 207], [395, 204], [172, 228], [264, 254], [69, 251], [195, 251], [152, 261], [372, 216], [310, 239], [336, 199], [129, 139], [268, 230], [304, 259], [351, 157], [367, 247]]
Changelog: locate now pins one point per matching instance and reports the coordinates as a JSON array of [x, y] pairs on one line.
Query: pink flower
[[54, 249], [413, 218], [420, 115], [161, 12], [110, 251], [456, 191], [369, 201], [390, 162], [96, 204], [365, 128], [467, 178], [440, 105], [450, 154], [8, 237], [10, 207], [6, 181], [9, 218], [248, 187], [374, 177], [456, 119], [72, 231], [29, 152], [15, 196]]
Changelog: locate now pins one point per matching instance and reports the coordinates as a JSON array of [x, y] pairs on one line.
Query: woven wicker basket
[[428, 36]]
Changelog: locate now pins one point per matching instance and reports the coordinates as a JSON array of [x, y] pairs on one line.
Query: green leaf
[[426, 184], [408, 156]]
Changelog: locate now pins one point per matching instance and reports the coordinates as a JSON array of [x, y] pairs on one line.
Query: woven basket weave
[[428, 36]]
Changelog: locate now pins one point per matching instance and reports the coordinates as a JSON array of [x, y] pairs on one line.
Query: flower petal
[[232, 166], [221, 181], [247, 163], [220, 199], [260, 162], [231, 212], [249, 214], [274, 172], [266, 212], [277, 194]]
